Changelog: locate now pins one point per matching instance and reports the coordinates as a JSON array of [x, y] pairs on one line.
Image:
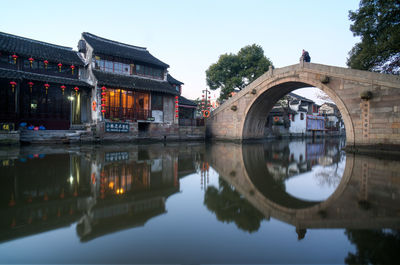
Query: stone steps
[[51, 136]]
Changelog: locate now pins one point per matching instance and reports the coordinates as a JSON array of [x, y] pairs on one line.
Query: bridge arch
[[257, 110], [369, 121]]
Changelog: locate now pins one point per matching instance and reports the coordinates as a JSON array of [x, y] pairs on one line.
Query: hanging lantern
[[31, 61], [59, 67], [46, 86], [30, 84], [72, 68], [103, 100], [62, 89], [45, 63], [14, 58], [13, 84], [76, 90]]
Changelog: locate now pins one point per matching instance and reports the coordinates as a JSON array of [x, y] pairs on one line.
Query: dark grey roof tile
[[122, 50], [38, 50], [132, 82]]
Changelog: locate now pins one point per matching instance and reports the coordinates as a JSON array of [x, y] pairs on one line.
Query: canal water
[[270, 202]]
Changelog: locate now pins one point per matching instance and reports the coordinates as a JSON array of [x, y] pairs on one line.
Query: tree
[[377, 23], [235, 71]]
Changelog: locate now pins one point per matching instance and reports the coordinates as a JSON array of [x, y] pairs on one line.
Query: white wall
[[298, 125]]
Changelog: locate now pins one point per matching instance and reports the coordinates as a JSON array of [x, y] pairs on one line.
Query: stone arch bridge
[[369, 103]]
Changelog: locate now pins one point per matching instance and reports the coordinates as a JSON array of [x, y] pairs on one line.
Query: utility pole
[[205, 104]]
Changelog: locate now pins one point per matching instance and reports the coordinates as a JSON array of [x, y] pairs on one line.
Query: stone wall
[[370, 121], [11, 137]]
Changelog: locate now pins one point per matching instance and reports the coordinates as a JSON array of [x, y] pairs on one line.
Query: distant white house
[[333, 118], [295, 115]]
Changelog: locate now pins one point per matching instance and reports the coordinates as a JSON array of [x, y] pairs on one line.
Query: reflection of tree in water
[[230, 206], [374, 246], [331, 175]]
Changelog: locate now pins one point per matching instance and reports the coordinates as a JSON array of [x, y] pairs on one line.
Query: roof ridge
[[36, 41], [115, 42]]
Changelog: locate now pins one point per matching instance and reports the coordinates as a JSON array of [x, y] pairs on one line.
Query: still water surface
[[272, 202]]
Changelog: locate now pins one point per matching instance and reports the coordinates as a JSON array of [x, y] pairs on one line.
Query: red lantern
[[59, 67], [76, 90], [72, 68], [31, 61], [62, 89], [176, 97], [103, 88], [30, 84], [103, 105], [14, 58], [47, 87], [103, 110], [103, 99], [103, 93], [176, 116], [13, 84], [45, 63]]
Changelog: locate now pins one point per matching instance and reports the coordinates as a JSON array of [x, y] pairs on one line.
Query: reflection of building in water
[[287, 159], [40, 192], [105, 191], [128, 188]]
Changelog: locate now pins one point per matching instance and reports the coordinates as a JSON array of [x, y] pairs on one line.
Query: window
[[108, 66], [301, 116]]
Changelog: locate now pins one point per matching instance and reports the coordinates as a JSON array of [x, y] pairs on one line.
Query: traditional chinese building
[[130, 86], [187, 108], [40, 85]]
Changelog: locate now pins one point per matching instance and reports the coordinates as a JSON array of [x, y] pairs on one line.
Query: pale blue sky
[[190, 35]]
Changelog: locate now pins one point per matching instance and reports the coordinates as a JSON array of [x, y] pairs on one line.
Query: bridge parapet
[[369, 121]]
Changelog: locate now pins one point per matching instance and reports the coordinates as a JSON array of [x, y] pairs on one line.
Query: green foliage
[[377, 23], [235, 71]]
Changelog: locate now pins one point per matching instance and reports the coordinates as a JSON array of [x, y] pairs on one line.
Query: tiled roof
[[280, 110], [18, 75], [300, 97], [132, 82], [173, 81], [302, 109], [122, 50], [38, 49], [185, 101]]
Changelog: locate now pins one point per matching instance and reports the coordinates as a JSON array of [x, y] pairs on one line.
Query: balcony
[[126, 114]]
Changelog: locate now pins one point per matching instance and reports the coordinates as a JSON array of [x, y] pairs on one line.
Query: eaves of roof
[[21, 75], [132, 82]]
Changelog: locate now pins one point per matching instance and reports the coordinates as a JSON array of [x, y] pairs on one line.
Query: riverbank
[[100, 135]]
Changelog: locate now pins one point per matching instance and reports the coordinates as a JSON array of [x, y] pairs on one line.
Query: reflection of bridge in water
[[368, 196]]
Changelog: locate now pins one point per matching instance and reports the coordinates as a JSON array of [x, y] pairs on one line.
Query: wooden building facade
[[39, 84], [129, 84]]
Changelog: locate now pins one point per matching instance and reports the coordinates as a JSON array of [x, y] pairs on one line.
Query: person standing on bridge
[[305, 56]]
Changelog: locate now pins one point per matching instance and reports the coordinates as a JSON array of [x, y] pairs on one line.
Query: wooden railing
[[126, 113]]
